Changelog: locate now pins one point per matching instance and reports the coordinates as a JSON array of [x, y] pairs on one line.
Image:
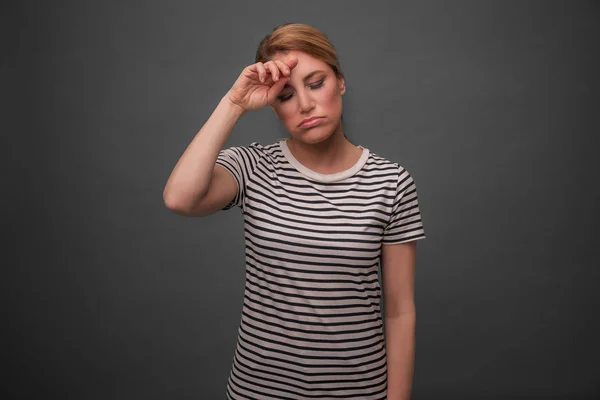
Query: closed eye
[[313, 87]]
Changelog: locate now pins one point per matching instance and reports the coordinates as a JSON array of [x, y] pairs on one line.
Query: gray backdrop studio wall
[[491, 105]]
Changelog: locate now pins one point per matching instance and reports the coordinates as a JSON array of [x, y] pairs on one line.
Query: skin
[[322, 148]]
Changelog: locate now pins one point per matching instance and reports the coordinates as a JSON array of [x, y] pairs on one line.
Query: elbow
[[174, 204], [183, 208]]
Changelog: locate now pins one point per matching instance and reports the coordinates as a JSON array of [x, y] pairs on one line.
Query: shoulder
[[382, 162], [376, 158], [252, 154], [270, 152], [258, 148], [254, 151], [264, 149]]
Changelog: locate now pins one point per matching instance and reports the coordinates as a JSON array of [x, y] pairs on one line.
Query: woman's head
[[316, 84]]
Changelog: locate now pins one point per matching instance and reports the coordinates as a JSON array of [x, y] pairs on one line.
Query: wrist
[[234, 108]]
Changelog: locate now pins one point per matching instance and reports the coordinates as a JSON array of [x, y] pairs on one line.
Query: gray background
[[491, 106]]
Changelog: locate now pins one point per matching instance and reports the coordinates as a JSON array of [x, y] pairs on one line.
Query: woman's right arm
[[197, 185], [187, 191]]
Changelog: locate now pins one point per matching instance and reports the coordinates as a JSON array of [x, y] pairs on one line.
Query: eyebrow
[[307, 77]]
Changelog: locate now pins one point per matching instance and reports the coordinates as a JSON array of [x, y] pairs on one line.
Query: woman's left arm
[[398, 265]]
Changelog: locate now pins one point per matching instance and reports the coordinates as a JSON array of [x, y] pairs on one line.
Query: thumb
[[276, 88]]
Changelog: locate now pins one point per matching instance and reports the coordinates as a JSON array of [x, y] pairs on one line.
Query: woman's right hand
[[260, 83]]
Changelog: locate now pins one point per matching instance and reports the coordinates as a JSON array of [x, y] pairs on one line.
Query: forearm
[[400, 349], [190, 179]]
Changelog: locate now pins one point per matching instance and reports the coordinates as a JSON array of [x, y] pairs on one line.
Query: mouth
[[308, 122]]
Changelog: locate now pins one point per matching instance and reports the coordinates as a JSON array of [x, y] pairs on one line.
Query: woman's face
[[312, 91]]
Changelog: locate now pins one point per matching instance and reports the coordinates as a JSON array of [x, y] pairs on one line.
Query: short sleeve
[[405, 223], [241, 162]]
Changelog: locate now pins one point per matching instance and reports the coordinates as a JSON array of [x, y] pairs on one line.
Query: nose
[[305, 101]]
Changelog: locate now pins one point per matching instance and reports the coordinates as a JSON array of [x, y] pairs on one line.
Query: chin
[[312, 136]]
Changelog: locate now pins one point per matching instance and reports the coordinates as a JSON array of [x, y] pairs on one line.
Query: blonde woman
[[321, 214]]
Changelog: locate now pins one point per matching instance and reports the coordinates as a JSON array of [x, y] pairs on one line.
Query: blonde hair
[[300, 37]]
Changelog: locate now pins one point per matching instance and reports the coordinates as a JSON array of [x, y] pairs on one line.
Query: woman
[[320, 216]]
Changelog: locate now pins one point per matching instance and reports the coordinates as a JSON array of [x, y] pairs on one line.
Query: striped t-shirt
[[311, 325]]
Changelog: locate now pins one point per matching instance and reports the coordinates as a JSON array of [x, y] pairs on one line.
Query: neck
[[331, 155]]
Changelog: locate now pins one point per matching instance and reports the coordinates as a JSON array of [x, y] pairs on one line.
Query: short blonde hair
[[299, 37]]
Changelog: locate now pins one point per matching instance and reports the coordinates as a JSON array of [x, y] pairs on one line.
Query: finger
[[275, 89], [292, 62], [285, 70], [253, 72], [273, 69], [260, 69], [262, 72]]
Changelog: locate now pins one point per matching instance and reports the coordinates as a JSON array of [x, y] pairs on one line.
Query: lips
[[311, 119]]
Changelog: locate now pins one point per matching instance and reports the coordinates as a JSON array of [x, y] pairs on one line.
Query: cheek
[[330, 96], [285, 111]]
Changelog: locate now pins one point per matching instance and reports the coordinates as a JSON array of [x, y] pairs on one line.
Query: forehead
[[306, 62]]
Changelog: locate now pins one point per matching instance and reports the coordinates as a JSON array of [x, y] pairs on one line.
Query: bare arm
[[191, 178], [400, 317], [198, 186]]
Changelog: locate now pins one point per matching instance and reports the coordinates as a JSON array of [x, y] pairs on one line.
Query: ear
[[342, 85]]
